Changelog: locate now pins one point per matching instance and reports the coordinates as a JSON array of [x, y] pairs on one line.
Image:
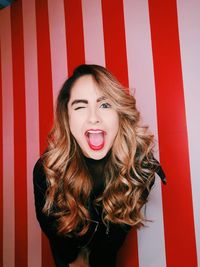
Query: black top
[[96, 170], [100, 240]]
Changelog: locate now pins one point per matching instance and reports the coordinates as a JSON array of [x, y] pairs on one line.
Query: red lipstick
[[95, 138]]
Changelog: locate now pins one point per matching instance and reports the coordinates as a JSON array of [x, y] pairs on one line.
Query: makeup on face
[[93, 121], [95, 138]]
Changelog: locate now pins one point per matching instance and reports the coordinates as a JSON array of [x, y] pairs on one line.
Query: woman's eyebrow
[[77, 101], [84, 101], [101, 98]]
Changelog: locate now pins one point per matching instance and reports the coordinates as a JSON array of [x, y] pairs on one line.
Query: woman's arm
[[63, 247]]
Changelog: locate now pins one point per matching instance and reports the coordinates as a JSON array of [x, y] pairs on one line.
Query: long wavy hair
[[128, 173]]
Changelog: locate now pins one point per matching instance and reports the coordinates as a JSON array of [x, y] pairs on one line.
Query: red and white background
[[151, 46]]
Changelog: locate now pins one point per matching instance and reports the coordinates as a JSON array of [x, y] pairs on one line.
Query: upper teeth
[[94, 131]]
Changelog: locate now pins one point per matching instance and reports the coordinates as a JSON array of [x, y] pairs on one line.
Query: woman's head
[[92, 110], [93, 122]]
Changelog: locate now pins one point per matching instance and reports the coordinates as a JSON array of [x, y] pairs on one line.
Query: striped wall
[[151, 46]]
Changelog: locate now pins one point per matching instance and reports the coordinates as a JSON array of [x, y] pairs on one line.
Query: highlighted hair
[[128, 174]]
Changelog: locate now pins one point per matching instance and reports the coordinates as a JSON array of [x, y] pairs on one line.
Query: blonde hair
[[128, 173]]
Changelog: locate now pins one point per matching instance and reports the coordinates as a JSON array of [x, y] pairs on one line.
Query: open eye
[[105, 105]]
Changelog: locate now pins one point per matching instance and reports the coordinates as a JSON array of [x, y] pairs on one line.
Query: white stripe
[[32, 127], [189, 33], [57, 44], [8, 141], [93, 32], [151, 243]]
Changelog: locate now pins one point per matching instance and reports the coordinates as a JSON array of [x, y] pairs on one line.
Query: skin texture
[[95, 113]]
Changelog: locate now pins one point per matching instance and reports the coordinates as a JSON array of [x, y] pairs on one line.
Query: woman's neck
[[96, 171]]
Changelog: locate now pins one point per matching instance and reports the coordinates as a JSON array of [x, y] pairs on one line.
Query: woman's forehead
[[86, 87]]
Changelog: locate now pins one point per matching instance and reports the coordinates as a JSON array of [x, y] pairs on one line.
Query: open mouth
[[95, 139]]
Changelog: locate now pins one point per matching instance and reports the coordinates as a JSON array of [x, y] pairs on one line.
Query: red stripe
[[74, 34], [116, 62], [128, 254], [1, 169], [19, 136], [114, 39], [44, 94], [173, 143]]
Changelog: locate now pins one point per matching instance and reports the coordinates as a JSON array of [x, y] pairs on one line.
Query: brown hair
[[129, 172]]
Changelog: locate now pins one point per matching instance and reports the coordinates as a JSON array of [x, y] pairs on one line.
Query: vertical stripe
[[58, 44], [45, 94], [74, 34], [8, 141], [44, 71], [93, 32], [32, 127], [128, 254], [114, 39], [19, 136], [141, 77], [1, 168], [179, 224], [189, 21]]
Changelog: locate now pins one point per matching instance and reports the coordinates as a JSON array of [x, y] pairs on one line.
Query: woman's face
[[93, 121]]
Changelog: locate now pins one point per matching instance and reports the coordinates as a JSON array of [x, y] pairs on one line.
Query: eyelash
[[108, 106], [78, 108]]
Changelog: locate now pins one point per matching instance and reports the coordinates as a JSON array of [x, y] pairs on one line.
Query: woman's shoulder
[[39, 176]]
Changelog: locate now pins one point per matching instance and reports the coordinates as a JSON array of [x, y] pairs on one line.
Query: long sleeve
[[160, 172], [63, 247]]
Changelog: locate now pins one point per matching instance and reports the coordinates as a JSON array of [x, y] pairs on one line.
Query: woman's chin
[[96, 154]]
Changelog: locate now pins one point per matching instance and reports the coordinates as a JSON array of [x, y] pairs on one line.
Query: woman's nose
[[93, 116]]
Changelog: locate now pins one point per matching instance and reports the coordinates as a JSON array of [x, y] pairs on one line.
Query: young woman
[[96, 174]]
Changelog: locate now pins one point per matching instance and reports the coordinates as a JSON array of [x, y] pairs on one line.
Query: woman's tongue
[[96, 139]]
